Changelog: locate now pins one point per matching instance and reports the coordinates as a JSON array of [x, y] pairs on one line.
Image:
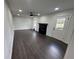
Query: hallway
[[29, 44]]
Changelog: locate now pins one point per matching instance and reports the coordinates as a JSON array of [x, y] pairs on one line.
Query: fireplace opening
[[42, 28]]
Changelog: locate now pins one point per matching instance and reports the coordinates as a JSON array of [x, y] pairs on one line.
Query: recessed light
[[38, 14], [18, 14], [20, 10], [56, 9]]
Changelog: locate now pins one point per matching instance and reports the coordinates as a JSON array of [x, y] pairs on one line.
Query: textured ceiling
[[39, 6]]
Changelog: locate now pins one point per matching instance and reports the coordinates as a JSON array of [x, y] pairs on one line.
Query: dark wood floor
[[29, 44]]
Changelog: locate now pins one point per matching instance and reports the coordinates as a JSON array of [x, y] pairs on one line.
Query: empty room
[[39, 29]]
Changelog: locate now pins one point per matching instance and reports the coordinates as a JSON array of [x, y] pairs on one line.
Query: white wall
[[8, 33], [70, 49], [21, 23]]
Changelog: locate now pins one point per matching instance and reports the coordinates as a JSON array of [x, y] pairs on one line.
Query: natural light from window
[[60, 23]]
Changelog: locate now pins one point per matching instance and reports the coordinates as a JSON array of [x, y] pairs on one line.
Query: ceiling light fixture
[[56, 9], [18, 14], [38, 14], [20, 10]]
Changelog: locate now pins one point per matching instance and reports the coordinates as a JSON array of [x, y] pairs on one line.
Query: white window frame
[[60, 23]]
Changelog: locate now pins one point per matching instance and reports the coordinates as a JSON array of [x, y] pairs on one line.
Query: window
[[60, 23]]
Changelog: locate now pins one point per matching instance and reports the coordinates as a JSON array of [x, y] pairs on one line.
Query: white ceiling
[[40, 6]]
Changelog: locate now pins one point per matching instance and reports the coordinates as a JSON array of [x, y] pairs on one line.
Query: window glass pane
[[60, 23]]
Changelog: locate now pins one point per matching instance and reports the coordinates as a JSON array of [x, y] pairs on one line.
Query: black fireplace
[[42, 28]]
